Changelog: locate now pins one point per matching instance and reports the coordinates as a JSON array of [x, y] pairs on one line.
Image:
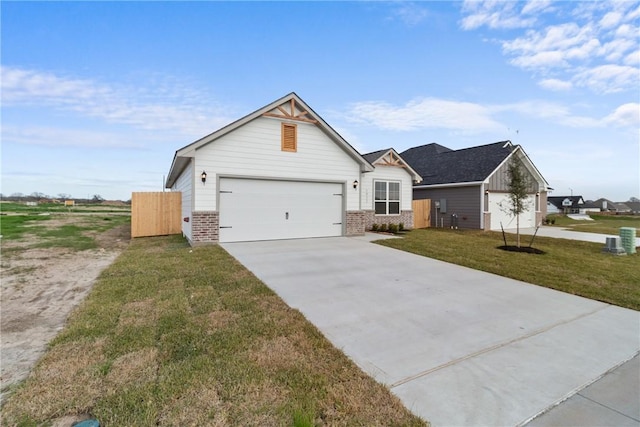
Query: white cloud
[[541, 60], [555, 84], [592, 45], [625, 115], [472, 118], [610, 20], [632, 59], [536, 6], [608, 78], [615, 50], [59, 137], [410, 13], [493, 14], [427, 113], [557, 44], [165, 105]]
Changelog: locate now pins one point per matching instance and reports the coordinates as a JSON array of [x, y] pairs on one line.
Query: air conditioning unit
[[613, 246]]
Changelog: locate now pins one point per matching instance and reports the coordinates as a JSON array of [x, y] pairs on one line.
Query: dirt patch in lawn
[[40, 287]]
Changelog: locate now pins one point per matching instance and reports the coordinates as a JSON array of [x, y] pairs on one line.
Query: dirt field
[[40, 287]]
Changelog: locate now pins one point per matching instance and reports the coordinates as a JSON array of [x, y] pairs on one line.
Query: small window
[[387, 198], [289, 137]]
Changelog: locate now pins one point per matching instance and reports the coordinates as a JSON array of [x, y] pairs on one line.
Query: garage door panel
[[498, 206], [268, 210]]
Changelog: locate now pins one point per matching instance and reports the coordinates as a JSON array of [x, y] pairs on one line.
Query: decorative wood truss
[[291, 111], [390, 159]]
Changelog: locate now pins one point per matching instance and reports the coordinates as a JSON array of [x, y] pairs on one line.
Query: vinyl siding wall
[[254, 150], [184, 183], [498, 180], [464, 201]]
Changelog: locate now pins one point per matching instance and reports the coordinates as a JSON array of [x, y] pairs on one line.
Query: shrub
[[393, 228], [374, 227], [383, 227], [401, 226]]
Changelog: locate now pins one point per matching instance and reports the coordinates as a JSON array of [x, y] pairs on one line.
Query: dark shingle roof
[[375, 155], [557, 201], [440, 165]]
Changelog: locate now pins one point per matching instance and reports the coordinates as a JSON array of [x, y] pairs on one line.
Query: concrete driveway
[[457, 346]]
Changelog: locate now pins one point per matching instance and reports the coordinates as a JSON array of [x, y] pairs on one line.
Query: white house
[[386, 192], [282, 172]]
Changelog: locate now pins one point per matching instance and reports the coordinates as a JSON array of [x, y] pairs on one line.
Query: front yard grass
[[603, 224], [570, 266], [177, 336]]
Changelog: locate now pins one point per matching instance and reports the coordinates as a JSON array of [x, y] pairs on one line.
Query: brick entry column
[[205, 227], [355, 223]]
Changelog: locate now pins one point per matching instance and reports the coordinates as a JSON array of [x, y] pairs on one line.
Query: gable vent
[[289, 137]]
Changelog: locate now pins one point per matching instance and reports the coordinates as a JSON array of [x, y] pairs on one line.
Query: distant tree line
[[42, 197]]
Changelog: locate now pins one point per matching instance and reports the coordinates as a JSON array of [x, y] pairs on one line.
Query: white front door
[[255, 209]]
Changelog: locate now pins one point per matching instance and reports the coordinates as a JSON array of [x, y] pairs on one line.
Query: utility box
[[443, 205], [628, 239]]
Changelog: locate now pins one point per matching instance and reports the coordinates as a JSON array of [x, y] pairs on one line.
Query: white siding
[[184, 183], [387, 173], [253, 150]]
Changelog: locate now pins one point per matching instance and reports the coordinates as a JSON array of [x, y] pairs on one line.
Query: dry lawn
[[171, 335], [42, 282]]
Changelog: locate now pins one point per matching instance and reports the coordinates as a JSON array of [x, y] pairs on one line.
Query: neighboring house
[[566, 205], [602, 205], [472, 184], [282, 172], [631, 207], [386, 193]]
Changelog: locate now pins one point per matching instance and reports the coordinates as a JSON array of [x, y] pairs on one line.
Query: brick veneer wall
[[405, 217], [355, 223], [205, 227]]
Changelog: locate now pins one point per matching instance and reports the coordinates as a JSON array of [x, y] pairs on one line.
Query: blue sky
[[98, 96]]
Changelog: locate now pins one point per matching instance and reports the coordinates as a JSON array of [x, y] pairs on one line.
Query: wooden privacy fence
[[421, 213], [156, 213]]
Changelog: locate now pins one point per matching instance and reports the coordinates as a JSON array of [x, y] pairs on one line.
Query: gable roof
[[375, 155], [602, 203], [633, 206], [440, 165], [183, 155], [390, 157], [556, 201]]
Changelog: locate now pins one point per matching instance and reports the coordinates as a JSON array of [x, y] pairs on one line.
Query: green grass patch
[[603, 224], [66, 236], [13, 227], [76, 232], [575, 267], [174, 335]]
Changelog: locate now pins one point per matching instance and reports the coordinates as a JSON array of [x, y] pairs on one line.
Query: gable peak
[[292, 109]]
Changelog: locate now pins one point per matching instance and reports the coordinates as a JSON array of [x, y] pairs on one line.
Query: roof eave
[[450, 184], [365, 166]]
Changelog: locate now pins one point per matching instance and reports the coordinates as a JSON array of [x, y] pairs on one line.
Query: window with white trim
[[387, 197]]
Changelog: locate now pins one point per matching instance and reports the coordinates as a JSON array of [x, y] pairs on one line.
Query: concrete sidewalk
[[458, 346], [613, 400]]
